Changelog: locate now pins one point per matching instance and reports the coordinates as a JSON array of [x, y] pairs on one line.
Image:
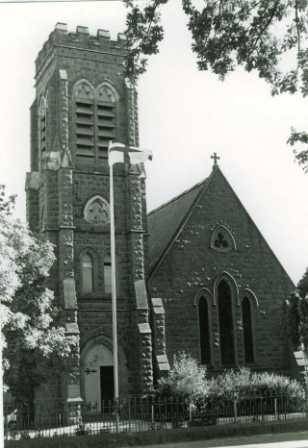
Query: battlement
[[81, 39]]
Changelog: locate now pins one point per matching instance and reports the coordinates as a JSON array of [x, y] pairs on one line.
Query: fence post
[[235, 410], [129, 415], [306, 393], [276, 409]]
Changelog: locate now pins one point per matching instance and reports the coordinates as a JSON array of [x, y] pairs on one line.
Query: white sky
[[184, 116]]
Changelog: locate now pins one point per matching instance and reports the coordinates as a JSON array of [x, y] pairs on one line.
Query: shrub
[[185, 380], [244, 385], [254, 392]]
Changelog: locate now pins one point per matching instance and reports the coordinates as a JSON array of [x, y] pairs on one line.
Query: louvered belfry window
[[42, 126], [84, 119], [105, 118], [95, 119]]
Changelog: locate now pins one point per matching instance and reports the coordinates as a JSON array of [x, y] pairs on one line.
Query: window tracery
[[97, 211], [222, 239]]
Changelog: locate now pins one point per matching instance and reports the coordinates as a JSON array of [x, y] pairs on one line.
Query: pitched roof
[[165, 221]]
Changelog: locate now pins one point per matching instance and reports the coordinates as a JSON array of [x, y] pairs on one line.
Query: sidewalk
[[277, 440]]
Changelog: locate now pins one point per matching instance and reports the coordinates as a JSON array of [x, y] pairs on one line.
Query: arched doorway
[[97, 375]]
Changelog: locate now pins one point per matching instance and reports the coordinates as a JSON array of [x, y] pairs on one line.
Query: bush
[[259, 393], [244, 385], [185, 380]]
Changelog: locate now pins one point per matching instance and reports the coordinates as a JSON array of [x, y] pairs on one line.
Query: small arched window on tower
[[106, 101], [87, 273], [247, 316], [204, 328], [83, 97], [107, 274]]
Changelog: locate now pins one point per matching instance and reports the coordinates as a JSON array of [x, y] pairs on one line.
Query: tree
[[268, 36], [35, 342], [303, 285], [297, 320]]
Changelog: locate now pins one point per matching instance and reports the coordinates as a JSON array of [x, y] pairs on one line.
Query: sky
[[184, 116]]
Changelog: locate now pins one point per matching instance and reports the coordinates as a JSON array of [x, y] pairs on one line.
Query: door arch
[[97, 374], [96, 371]]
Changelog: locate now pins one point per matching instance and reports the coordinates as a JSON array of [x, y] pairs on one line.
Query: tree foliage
[[297, 319], [34, 339], [303, 285], [268, 36]]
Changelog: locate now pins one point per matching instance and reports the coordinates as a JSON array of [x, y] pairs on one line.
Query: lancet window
[[107, 274], [226, 323], [247, 316], [204, 328], [87, 273]]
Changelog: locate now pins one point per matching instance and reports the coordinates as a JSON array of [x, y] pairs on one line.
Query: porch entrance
[[97, 369]]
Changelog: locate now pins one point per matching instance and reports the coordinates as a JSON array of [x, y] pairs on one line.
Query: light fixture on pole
[[116, 153]]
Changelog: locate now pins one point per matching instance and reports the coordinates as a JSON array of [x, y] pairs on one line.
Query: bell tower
[[82, 102]]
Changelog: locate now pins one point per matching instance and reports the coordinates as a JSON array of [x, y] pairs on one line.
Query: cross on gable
[[215, 157]]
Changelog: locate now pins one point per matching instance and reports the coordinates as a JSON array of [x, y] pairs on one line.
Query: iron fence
[[58, 418]]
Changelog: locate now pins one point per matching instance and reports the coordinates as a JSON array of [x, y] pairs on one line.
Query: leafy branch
[[255, 34]]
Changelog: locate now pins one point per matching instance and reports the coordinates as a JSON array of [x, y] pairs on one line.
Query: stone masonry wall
[[191, 267]]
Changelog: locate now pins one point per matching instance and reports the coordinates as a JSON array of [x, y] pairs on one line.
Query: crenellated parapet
[[80, 39]]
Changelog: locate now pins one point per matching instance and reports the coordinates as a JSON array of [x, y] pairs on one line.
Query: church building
[[194, 275]]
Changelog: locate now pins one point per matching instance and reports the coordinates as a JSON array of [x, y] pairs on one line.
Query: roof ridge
[[175, 198]]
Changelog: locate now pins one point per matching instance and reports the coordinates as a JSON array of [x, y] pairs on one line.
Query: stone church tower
[[82, 102]]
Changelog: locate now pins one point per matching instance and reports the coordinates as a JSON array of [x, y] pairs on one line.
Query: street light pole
[[116, 153], [113, 289]]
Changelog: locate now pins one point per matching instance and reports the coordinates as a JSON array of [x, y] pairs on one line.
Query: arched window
[[248, 330], [226, 326], [107, 275], [204, 327], [87, 272]]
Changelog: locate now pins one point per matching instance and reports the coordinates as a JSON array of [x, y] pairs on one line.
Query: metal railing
[[59, 418]]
